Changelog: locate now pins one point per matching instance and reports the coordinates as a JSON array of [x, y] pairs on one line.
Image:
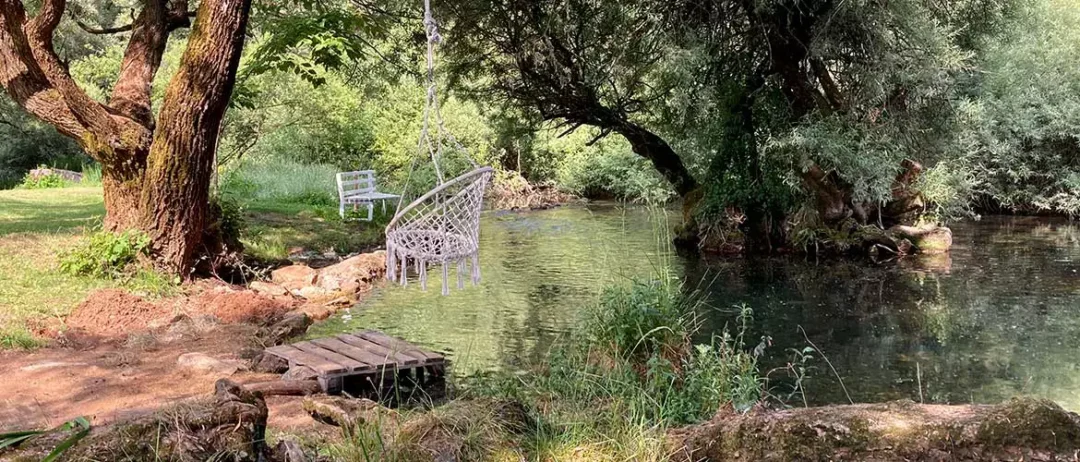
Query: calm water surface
[[999, 317]]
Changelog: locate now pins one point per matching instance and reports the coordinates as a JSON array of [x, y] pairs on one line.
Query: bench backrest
[[354, 183]]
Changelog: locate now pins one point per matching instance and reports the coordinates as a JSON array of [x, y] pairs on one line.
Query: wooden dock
[[363, 361]]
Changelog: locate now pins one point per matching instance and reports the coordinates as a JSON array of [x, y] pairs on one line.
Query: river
[[998, 317]]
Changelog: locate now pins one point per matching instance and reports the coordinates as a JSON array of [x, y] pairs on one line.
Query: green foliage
[[632, 362], [1023, 141], [91, 175], [43, 182], [105, 254], [26, 142], [606, 169], [78, 427], [283, 181], [639, 321]]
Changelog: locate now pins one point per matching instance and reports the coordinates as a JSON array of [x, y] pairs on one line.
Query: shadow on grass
[[274, 229], [48, 211]]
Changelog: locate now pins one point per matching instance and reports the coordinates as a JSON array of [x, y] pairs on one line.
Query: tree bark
[[1022, 429], [177, 190], [155, 179], [650, 146]]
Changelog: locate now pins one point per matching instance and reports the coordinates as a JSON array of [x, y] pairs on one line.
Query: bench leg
[[370, 210]]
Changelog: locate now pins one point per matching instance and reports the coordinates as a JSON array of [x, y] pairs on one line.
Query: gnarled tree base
[[1022, 429]]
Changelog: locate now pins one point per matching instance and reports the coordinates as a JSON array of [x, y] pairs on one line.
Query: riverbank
[[631, 384]]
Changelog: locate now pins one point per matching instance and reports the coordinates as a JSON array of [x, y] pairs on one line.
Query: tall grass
[[630, 372], [283, 181], [91, 175]]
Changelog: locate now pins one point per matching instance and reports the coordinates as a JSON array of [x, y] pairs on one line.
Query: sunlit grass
[[274, 228], [38, 225], [35, 225]]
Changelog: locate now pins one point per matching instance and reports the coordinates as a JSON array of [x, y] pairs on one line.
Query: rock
[[288, 450], [312, 292], [300, 373], [346, 412], [294, 277], [354, 273], [202, 362], [293, 324], [269, 289], [270, 364], [68, 175], [926, 238], [317, 311]]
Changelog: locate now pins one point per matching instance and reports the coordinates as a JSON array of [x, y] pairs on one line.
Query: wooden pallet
[[362, 356]]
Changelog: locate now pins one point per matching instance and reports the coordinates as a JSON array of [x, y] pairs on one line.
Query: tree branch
[[47, 19], [102, 31], [149, 35], [174, 21], [38, 81], [24, 79]]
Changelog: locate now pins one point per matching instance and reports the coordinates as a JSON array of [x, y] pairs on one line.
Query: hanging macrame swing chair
[[443, 225]]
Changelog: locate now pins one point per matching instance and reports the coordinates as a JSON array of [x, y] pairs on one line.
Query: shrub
[[43, 182], [640, 320], [91, 175], [230, 216], [105, 254]]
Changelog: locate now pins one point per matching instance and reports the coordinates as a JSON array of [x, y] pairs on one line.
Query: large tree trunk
[[123, 199], [155, 176], [176, 197]]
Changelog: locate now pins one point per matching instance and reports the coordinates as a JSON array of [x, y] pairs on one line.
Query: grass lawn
[[272, 228], [35, 225], [38, 224]]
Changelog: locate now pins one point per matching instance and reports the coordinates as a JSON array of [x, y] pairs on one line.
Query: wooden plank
[[359, 354], [349, 363], [401, 359], [400, 345], [296, 356]]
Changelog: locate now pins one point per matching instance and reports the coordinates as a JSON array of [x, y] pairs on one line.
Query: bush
[[105, 254], [639, 321], [43, 182]]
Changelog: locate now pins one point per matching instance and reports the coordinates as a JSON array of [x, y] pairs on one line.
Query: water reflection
[[998, 317]]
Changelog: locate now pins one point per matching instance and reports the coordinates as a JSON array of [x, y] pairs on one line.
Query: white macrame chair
[[442, 226]]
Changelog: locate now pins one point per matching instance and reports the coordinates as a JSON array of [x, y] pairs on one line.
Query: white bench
[[358, 189]]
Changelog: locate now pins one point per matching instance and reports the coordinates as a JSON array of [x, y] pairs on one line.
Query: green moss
[[1033, 423]]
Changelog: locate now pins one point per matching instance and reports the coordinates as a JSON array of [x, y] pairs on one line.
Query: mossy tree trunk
[[155, 174], [1022, 429]]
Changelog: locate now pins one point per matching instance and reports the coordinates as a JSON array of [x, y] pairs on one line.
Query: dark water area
[[998, 317]]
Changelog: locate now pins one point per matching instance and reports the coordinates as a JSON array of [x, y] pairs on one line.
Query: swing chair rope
[[443, 225]]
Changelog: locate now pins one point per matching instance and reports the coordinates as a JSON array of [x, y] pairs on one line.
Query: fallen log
[[285, 387], [1022, 429]]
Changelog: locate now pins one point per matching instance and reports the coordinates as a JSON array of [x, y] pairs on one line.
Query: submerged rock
[[928, 239]]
